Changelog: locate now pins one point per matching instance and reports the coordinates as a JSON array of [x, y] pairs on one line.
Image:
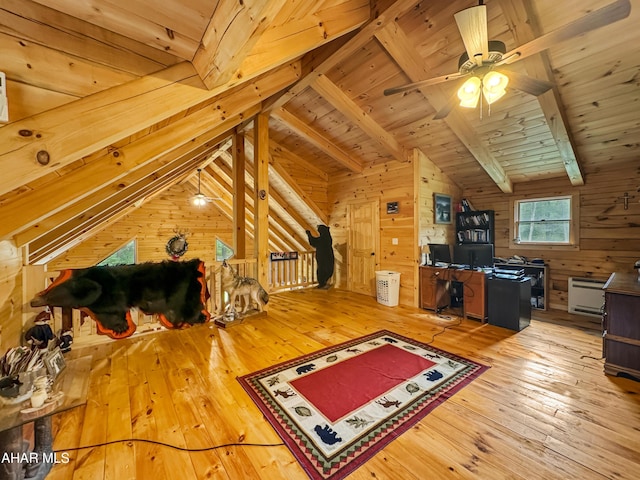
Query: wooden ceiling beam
[[165, 145], [524, 25], [279, 169], [111, 193], [103, 220], [35, 146], [397, 44], [230, 36], [315, 138], [277, 204], [279, 231], [296, 37], [101, 212], [347, 107], [280, 151], [364, 36], [231, 52]]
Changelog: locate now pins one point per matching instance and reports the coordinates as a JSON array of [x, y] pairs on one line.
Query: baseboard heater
[[586, 296]]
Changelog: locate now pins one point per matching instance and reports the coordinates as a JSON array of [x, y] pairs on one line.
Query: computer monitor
[[474, 255], [440, 253]]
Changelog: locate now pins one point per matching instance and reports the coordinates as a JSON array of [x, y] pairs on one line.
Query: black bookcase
[[476, 226]]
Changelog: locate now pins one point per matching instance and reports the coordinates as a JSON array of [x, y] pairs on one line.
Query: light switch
[[394, 241]]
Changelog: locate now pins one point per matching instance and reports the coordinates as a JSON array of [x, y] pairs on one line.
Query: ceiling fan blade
[[452, 102], [528, 84], [591, 21], [423, 83], [472, 23], [446, 110]]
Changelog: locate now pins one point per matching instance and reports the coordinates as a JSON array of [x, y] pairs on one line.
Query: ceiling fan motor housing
[[496, 50]]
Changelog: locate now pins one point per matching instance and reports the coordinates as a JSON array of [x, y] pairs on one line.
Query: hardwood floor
[[545, 410]]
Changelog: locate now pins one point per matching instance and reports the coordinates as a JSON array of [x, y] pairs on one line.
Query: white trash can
[[388, 287]]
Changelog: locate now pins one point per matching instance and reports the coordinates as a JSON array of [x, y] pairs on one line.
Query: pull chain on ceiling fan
[[483, 56]]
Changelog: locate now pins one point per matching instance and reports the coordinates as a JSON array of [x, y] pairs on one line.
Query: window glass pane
[[544, 231], [124, 256], [223, 251], [554, 209]]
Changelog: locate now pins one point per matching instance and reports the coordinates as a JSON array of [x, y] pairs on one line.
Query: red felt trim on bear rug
[[63, 277], [102, 330], [204, 291]]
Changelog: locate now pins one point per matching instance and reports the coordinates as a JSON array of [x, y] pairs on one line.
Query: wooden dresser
[[621, 325], [435, 284]]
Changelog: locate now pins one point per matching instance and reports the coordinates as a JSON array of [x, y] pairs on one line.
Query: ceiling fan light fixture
[[199, 200], [494, 86], [469, 92]]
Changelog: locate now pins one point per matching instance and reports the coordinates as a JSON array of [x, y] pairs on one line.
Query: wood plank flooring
[[545, 410]]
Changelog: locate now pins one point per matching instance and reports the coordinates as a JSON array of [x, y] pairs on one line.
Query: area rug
[[338, 407]]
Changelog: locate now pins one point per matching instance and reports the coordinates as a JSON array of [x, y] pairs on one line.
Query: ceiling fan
[[200, 199], [484, 65]]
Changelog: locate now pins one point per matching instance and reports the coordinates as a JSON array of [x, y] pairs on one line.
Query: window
[[123, 256], [223, 251], [546, 221]]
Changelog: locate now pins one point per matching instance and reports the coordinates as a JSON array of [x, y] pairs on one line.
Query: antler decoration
[[178, 245]]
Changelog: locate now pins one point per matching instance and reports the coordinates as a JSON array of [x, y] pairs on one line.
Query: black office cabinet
[[509, 302]]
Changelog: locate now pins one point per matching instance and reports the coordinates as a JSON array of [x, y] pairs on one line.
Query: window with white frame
[[549, 220]]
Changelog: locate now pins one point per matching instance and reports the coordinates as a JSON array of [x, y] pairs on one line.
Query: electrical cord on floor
[[155, 442], [444, 329], [589, 356]]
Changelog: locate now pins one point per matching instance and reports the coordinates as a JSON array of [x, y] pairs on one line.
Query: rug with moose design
[[339, 406]]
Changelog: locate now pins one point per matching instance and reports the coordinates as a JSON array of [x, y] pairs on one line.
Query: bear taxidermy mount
[[175, 291]]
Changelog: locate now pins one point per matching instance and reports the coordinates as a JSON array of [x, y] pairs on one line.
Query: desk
[[435, 289], [74, 383]]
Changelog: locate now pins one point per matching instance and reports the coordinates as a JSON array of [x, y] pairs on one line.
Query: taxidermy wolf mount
[[176, 291], [246, 288]]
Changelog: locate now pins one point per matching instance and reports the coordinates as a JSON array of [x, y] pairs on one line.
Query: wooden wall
[[392, 182], [430, 180], [153, 224], [609, 234], [10, 296]]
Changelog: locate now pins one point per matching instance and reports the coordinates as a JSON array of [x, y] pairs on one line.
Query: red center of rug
[[346, 386]]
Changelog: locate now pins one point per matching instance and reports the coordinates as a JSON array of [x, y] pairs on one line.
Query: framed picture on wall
[[442, 208]]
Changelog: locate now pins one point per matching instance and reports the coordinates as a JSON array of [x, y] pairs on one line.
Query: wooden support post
[[239, 230], [261, 203]]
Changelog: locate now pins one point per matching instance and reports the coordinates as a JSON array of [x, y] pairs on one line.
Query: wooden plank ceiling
[[113, 101]]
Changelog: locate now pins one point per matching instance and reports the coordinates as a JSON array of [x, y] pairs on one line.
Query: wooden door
[[364, 235]]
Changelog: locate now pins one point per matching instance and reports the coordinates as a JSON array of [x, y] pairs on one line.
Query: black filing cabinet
[[509, 302]]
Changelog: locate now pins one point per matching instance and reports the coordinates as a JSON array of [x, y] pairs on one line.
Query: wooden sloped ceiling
[[104, 95], [227, 41], [126, 117], [521, 138]]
